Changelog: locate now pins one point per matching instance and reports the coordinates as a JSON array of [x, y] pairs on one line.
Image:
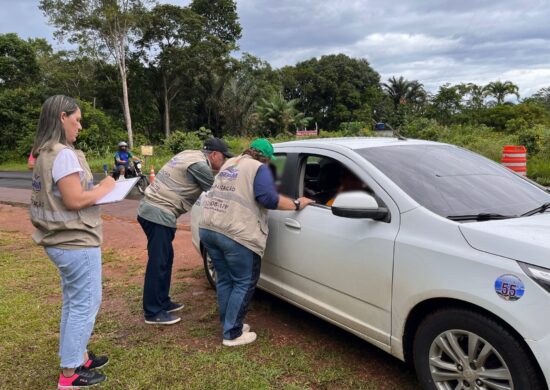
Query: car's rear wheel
[[463, 349], [209, 269]]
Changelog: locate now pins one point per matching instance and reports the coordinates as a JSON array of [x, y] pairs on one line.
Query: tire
[[445, 332], [209, 269], [142, 184]]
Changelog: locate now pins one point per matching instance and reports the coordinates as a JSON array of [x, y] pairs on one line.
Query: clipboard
[[121, 190]]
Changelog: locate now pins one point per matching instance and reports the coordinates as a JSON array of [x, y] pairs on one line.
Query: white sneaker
[[245, 338], [246, 328]]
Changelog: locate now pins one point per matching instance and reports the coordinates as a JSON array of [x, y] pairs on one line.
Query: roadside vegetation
[[173, 79], [294, 350]]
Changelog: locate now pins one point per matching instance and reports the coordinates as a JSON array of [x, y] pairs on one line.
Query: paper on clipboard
[[121, 190]]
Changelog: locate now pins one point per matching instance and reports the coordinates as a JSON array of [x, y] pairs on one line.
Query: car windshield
[[454, 182]]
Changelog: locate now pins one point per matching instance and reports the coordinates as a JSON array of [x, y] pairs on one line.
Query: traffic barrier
[[152, 175], [515, 158]]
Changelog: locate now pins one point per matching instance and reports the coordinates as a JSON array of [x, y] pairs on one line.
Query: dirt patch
[[125, 257]]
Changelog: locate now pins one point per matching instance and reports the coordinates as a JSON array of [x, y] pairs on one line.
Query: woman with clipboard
[[68, 226]]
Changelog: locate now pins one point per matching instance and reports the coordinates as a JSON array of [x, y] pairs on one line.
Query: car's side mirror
[[358, 204]]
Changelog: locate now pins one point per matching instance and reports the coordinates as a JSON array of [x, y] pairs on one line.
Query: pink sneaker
[[81, 378]]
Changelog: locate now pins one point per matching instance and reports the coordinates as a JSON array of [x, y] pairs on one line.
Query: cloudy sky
[[433, 41]]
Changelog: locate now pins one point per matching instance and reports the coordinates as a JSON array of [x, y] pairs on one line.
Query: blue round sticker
[[509, 287]]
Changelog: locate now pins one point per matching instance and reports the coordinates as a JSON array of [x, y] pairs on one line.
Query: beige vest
[[55, 224], [172, 191], [230, 207]]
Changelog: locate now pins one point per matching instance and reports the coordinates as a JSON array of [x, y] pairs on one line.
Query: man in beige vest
[[233, 229], [176, 187]]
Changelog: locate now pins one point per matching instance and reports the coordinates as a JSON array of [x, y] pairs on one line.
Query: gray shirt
[[200, 173]]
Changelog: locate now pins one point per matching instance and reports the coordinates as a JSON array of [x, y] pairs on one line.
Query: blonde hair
[[50, 130]]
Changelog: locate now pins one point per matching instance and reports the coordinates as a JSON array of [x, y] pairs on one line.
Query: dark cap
[[217, 145]]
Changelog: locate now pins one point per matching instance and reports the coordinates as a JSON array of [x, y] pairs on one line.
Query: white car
[[440, 257]]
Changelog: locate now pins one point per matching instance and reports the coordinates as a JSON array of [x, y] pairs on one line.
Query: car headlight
[[538, 274]]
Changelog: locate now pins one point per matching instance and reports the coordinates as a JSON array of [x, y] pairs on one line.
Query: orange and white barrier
[[515, 158]]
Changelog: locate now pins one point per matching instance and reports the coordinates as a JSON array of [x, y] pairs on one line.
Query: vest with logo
[[172, 191], [55, 224], [230, 207]]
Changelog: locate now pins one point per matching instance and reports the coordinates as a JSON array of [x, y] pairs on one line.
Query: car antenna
[[396, 133]]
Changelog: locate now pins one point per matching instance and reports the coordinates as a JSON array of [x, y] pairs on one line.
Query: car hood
[[525, 239]]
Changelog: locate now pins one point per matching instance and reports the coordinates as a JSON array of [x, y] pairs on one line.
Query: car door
[[339, 268]]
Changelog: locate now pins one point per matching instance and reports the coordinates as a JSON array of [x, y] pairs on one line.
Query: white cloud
[[433, 41]]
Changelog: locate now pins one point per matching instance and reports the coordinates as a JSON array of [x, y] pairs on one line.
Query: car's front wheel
[[463, 349], [209, 269]]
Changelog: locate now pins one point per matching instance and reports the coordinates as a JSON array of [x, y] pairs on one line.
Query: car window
[[323, 178], [277, 168], [452, 181]]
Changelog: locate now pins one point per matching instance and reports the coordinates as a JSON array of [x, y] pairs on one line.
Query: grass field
[[186, 356]]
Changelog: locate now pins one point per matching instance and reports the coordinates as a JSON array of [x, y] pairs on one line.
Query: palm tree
[[279, 114], [403, 91], [500, 90], [237, 104]]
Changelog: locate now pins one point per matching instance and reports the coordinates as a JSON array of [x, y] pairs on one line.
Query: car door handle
[[292, 223]]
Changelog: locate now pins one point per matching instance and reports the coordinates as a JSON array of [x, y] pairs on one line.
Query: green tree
[[171, 34], [476, 96], [253, 80], [333, 89], [104, 29], [18, 63], [403, 91], [499, 90], [222, 20], [543, 96], [447, 103], [277, 115]]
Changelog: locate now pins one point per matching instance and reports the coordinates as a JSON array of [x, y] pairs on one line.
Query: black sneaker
[[95, 361], [163, 318], [173, 307], [81, 378]]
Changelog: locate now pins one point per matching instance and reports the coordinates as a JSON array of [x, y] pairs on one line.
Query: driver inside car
[[348, 182]]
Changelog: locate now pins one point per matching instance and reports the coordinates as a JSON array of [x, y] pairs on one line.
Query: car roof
[[355, 142]]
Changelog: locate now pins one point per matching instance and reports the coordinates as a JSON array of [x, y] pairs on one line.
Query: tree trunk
[[166, 109], [126, 107], [120, 57]]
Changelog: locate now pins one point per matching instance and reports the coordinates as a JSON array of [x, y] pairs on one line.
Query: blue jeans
[[238, 270], [80, 271]]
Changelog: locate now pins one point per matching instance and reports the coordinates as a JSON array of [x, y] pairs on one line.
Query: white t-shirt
[[65, 163]]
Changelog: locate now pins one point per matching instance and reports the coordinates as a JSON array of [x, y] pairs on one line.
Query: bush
[[352, 129], [100, 135], [179, 141], [538, 169]]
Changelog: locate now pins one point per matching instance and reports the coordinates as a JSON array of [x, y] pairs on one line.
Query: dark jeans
[[238, 270], [158, 274]]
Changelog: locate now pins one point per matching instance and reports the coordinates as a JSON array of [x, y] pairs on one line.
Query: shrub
[[99, 134], [352, 129], [179, 141]]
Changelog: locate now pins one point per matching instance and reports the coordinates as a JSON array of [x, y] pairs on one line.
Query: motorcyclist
[[123, 157]]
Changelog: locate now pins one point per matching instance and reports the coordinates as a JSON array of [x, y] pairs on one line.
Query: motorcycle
[[131, 172]]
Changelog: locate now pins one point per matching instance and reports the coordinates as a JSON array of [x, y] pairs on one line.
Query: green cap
[[263, 146]]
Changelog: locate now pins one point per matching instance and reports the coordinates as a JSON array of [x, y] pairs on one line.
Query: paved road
[[9, 179], [15, 190]]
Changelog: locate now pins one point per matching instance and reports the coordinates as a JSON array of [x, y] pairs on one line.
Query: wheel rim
[[462, 360], [210, 268]]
